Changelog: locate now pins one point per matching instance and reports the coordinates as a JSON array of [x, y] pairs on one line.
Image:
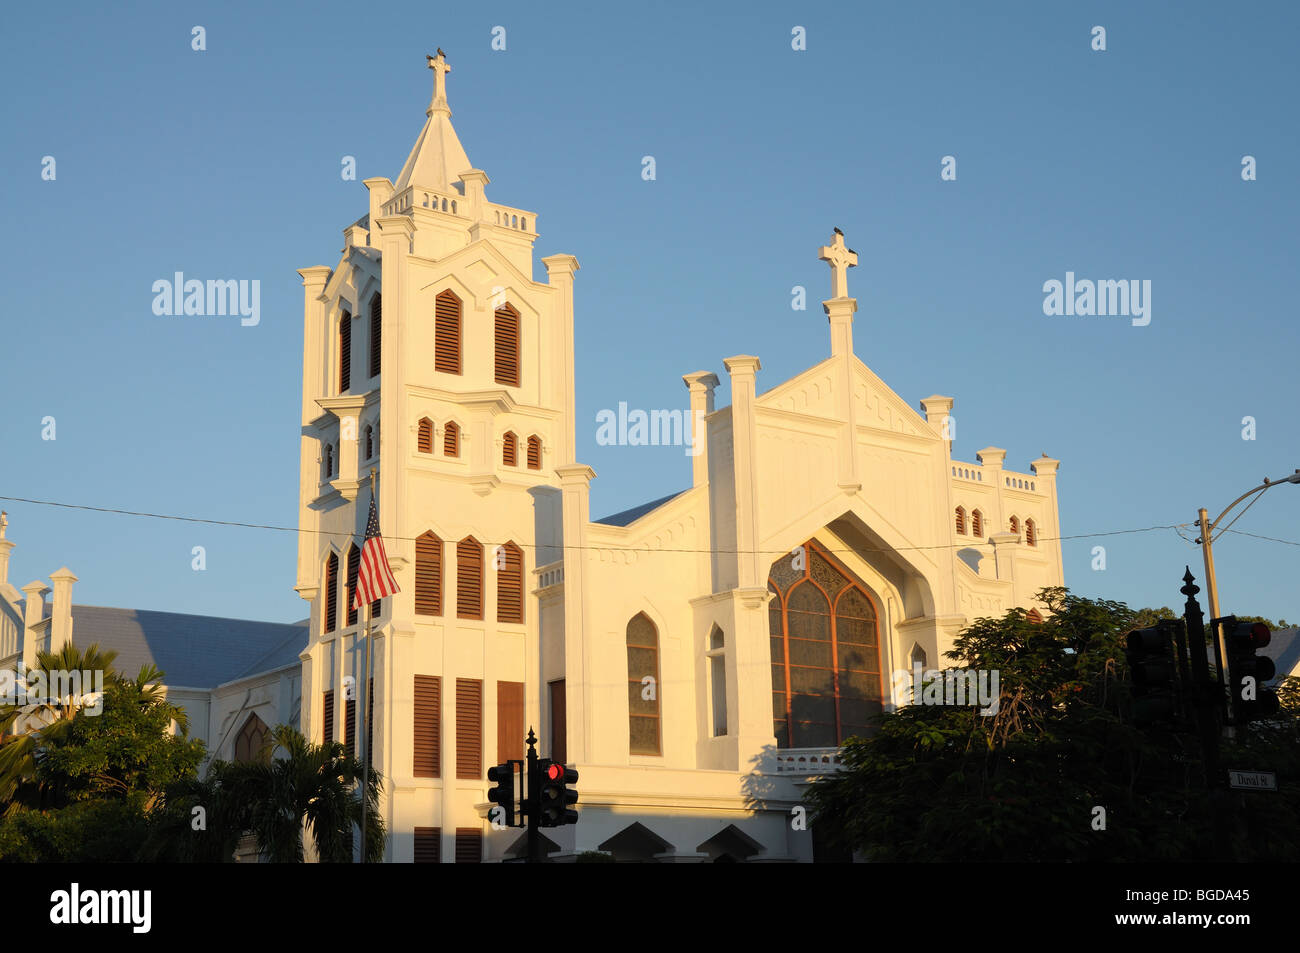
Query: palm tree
[[26, 730], [305, 786]]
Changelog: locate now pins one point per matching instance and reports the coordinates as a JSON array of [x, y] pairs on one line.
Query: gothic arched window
[[1031, 534], [976, 523], [350, 591], [451, 439], [469, 579], [961, 520], [534, 452], [250, 742], [331, 591], [510, 584], [826, 682], [643, 686], [345, 352], [510, 449], [370, 443], [446, 333], [1015, 526], [507, 346], [428, 575], [424, 441]]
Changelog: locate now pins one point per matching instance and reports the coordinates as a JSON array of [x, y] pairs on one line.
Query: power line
[[613, 548]]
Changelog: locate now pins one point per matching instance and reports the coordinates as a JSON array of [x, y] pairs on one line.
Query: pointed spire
[[440, 69]]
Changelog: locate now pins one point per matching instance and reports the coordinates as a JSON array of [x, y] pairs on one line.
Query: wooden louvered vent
[[376, 334], [469, 579], [451, 439], [428, 845], [469, 729], [510, 585], [446, 343], [534, 452], [469, 845], [331, 592], [507, 346], [345, 352], [428, 727], [327, 731], [510, 449], [428, 575], [354, 569], [424, 443]]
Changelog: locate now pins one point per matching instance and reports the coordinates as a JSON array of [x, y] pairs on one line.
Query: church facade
[[696, 659]]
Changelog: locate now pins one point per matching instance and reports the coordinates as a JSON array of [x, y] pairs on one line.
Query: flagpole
[[365, 720]]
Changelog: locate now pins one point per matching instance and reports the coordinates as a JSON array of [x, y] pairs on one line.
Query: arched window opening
[[446, 333], [507, 346], [534, 452], [376, 334], [643, 686], [961, 521], [976, 523], [510, 584], [451, 439], [469, 579], [1031, 534], [718, 681], [350, 591], [345, 352], [331, 591], [428, 575], [424, 442], [1015, 526], [250, 743], [826, 677], [509, 449]]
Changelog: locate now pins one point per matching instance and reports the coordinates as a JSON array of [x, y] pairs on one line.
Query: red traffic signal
[[554, 771]]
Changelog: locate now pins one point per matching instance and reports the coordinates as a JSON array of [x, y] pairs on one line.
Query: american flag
[[374, 578]]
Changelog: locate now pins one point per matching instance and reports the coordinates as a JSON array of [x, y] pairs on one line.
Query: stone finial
[[438, 63]]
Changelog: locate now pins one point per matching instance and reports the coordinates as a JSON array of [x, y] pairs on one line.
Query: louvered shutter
[[428, 575], [534, 453], [469, 729], [350, 728], [327, 720], [469, 579], [510, 449], [451, 440], [510, 721], [428, 727], [370, 723], [376, 334], [510, 585], [331, 592], [428, 845], [424, 442], [345, 352], [469, 845], [354, 568], [507, 346], [446, 344]]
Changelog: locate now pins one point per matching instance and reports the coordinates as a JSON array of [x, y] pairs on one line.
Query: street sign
[[1253, 780]]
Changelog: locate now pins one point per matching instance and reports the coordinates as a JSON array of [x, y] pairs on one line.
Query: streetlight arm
[[1293, 478]]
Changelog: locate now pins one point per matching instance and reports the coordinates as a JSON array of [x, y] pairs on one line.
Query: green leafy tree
[[945, 783]]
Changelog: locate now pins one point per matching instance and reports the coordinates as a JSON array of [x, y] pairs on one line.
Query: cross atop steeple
[[841, 259], [440, 69]]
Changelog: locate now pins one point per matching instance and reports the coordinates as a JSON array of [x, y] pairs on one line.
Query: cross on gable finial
[[841, 259], [438, 63]]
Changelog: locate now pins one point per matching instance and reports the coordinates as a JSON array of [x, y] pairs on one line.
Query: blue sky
[[1121, 164]]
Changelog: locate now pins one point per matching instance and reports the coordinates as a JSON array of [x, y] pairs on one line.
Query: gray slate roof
[[1284, 650], [628, 517], [195, 651]]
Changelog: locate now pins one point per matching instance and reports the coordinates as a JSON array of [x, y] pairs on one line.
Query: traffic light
[[1150, 655], [1248, 671], [503, 794], [554, 795]]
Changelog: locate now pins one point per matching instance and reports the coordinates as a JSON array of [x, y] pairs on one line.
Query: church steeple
[[438, 158]]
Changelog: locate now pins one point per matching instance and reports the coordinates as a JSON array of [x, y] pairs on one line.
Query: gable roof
[[627, 517], [195, 651]]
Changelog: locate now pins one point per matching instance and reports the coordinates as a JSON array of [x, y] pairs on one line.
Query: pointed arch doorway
[[826, 669]]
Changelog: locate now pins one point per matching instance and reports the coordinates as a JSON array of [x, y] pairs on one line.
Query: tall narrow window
[[369, 443], [331, 591], [424, 442], [250, 743], [469, 579], [643, 686], [977, 523], [961, 520], [507, 346], [327, 718], [354, 568], [451, 439], [1031, 534], [428, 727], [534, 452], [1015, 526], [559, 722], [510, 721], [510, 585], [826, 681], [718, 681], [469, 729], [446, 334], [428, 575], [345, 353], [510, 449], [350, 728], [329, 461], [376, 334]]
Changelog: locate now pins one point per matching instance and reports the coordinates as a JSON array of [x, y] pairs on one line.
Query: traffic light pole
[[535, 855]]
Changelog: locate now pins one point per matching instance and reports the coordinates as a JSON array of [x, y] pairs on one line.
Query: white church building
[[697, 659]]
